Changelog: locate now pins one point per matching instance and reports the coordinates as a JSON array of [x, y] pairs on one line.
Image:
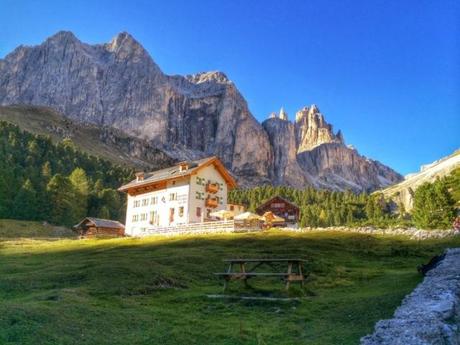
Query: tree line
[[41, 180], [434, 205]]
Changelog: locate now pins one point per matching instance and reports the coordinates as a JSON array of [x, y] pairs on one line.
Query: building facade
[[185, 193], [282, 208]]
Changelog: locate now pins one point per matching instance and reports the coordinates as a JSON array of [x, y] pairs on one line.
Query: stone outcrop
[[286, 169], [430, 315], [403, 192], [344, 168], [312, 129], [118, 84]]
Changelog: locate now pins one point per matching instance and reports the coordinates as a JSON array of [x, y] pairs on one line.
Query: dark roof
[[101, 223], [174, 172], [276, 197]]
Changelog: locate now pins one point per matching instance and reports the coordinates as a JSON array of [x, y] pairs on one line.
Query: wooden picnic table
[[294, 272]]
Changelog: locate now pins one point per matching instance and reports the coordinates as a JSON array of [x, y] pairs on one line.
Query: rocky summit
[[118, 84]]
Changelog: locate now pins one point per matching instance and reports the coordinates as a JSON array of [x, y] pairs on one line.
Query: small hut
[[90, 227]]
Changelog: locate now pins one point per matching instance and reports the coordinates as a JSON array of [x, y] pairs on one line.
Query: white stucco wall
[[205, 175], [162, 207]]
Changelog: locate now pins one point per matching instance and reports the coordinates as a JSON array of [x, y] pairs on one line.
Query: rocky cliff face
[[310, 149], [118, 84], [404, 191], [312, 130]]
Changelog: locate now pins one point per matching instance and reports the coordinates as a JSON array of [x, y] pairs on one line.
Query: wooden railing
[[222, 226]]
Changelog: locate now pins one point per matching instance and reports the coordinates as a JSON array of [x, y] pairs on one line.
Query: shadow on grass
[[153, 290]]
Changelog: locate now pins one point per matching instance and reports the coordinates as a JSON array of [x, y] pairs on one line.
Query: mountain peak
[[283, 115], [211, 76], [314, 108], [313, 130], [124, 39], [62, 36]]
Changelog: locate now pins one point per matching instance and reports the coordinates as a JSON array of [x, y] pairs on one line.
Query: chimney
[[139, 176]]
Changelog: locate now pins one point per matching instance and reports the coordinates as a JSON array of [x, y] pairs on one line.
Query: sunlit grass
[[60, 290]]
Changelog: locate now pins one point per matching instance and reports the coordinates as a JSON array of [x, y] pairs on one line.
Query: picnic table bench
[[294, 272]]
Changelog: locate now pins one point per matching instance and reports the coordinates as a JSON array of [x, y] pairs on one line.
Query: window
[[278, 205], [232, 207], [198, 212], [154, 200], [145, 202], [208, 213], [136, 203], [172, 196], [171, 215], [181, 211], [143, 216], [135, 217]]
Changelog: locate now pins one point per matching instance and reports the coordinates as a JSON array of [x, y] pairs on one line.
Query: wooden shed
[[282, 208], [90, 227]]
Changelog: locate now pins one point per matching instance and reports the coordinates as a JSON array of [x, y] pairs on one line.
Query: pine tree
[[79, 181], [25, 203], [61, 196], [433, 206], [104, 213], [323, 218], [349, 217]]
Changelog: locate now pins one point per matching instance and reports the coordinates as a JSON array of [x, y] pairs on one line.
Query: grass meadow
[[57, 289]]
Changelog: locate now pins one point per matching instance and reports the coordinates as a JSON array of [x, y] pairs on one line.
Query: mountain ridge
[[403, 192], [118, 84], [103, 142]]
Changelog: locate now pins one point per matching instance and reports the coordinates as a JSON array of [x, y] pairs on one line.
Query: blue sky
[[385, 72]]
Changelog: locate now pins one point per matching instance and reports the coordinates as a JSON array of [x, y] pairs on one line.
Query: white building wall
[[151, 209], [198, 193]]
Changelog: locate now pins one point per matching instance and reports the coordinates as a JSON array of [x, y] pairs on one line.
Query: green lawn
[[154, 291]]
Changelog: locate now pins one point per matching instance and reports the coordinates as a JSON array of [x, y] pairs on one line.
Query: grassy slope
[[153, 291], [45, 121]]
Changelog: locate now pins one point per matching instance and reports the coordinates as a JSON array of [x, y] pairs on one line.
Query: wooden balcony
[[212, 188], [211, 202]]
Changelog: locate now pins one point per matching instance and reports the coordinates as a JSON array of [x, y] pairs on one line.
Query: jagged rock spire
[[283, 115], [312, 129]]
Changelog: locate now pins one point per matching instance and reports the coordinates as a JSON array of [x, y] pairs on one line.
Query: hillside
[[154, 290], [118, 84], [104, 142], [56, 182], [403, 192], [16, 229]]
